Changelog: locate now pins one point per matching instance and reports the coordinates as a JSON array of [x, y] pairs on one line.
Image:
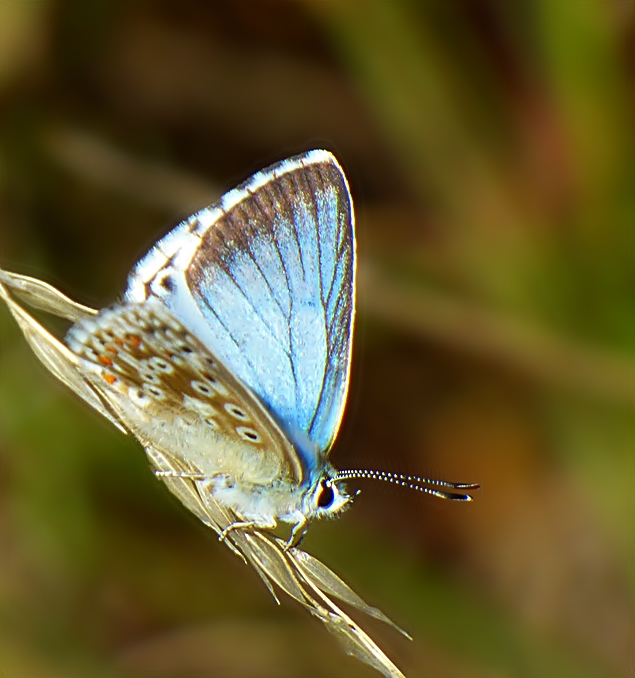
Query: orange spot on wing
[[118, 341], [104, 360], [134, 339], [109, 378], [112, 349]]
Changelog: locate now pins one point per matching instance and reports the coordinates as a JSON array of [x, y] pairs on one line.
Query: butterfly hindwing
[[176, 397]]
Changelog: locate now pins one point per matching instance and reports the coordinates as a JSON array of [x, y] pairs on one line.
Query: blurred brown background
[[490, 150]]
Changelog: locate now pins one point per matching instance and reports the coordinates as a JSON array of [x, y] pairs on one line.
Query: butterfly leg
[[297, 533], [246, 525], [179, 474]]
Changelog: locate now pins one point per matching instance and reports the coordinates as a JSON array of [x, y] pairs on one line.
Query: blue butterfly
[[247, 382], [229, 360]]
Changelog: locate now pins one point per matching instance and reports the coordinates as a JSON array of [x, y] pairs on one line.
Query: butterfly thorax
[[265, 506]]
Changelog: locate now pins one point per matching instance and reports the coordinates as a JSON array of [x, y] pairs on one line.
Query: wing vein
[[277, 250], [332, 349], [233, 339], [338, 254], [296, 236], [257, 265], [327, 333], [290, 316], [224, 267], [317, 241]]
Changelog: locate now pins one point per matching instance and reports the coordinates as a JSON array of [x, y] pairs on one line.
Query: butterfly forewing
[[265, 278], [176, 397]]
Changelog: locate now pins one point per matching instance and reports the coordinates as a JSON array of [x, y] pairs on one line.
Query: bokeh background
[[490, 150]]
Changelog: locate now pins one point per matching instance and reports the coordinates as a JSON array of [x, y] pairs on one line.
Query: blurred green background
[[490, 150]]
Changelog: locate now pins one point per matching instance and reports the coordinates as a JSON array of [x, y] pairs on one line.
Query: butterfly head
[[327, 497]]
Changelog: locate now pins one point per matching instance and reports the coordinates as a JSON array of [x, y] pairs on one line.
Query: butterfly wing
[[265, 279], [178, 399]]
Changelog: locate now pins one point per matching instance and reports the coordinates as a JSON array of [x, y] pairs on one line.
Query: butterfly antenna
[[413, 482]]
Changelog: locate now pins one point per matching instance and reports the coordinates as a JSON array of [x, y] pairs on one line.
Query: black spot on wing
[[168, 284]]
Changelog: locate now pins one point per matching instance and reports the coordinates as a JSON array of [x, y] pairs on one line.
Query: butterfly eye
[[327, 496]]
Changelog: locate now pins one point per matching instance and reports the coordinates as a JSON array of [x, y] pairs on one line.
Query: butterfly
[[229, 360]]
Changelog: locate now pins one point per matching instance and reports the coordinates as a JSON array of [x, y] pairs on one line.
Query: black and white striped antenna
[[412, 482]]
